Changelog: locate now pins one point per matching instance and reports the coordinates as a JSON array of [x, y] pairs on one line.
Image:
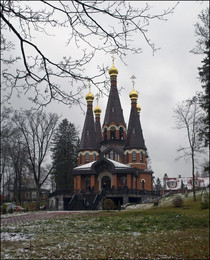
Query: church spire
[[134, 138], [114, 127], [97, 112], [88, 139]]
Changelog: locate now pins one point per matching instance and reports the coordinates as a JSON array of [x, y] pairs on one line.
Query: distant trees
[[90, 27], [202, 29], [37, 129], [189, 116], [65, 145], [202, 32], [26, 139], [158, 185], [204, 97]]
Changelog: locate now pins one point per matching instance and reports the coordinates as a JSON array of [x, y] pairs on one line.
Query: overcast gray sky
[[162, 80]]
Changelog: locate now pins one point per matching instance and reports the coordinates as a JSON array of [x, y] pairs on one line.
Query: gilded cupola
[[89, 96], [138, 108], [133, 94], [97, 110], [113, 71]]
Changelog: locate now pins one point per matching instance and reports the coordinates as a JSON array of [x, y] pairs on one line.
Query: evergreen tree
[[158, 184], [64, 154], [204, 98]]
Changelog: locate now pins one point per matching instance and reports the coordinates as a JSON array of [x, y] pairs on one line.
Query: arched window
[[121, 133], [87, 158], [80, 158], [113, 133], [142, 184], [112, 155], [127, 157], [105, 134], [87, 181], [94, 157], [133, 156], [124, 181], [141, 157]]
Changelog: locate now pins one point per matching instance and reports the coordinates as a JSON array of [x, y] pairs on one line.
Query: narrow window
[[112, 109], [133, 156], [141, 157], [134, 131], [111, 155], [127, 157], [142, 184], [94, 157], [113, 133], [80, 157], [105, 134], [121, 133], [124, 181], [87, 180], [87, 158]]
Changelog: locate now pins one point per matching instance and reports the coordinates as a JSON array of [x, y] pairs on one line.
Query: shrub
[[31, 206], [108, 204], [178, 202], [10, 211], [204, 205], [156, 203], [4, 209]]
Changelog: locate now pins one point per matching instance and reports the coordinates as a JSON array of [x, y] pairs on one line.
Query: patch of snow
[[14, 236]]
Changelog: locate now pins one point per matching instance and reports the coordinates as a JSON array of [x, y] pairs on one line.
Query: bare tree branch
[[85, 29]]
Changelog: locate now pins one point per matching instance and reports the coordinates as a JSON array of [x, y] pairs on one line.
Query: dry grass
[[164, 232]]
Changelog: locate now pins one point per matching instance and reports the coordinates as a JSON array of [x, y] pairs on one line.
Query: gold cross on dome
[[133, 78], [89, 84], [97, 97], [113, 58]]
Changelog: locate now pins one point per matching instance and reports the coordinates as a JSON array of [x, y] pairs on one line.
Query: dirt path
[[33, 216]]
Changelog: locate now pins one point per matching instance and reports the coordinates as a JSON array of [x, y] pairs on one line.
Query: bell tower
[[89, 150], [114, 127], [135, 149]]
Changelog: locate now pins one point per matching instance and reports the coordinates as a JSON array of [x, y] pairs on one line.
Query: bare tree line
[[26, 142]]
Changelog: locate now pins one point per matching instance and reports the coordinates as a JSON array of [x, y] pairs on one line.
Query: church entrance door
[[106, 182]]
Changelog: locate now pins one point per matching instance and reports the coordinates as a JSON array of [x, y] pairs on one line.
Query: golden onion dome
[[97, 110], [138, 108], [113, 71], [133, 94], [89, 96]]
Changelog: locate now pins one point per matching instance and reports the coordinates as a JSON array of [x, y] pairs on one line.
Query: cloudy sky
[[162, 80]]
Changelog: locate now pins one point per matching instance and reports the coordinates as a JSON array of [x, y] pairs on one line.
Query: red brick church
[[112, 160], [111, 156]]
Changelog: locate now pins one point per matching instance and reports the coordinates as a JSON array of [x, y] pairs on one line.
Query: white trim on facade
[[90, 153], [134, 150]]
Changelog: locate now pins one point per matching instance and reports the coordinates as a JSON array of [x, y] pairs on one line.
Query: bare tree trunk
[[193, 175], [37, 196]]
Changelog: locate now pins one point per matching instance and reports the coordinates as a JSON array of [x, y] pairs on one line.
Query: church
[[112, 159]]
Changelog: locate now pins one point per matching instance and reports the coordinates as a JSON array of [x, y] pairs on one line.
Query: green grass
[[163, 232]]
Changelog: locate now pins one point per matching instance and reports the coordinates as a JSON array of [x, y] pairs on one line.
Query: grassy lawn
[[162, 232]]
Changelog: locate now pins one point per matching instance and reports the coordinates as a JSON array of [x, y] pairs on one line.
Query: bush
[[119, 205], [178, 202], [4, 209], [156, 203], [108, 204], [204, 205], [10, 211], [30, 206]]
